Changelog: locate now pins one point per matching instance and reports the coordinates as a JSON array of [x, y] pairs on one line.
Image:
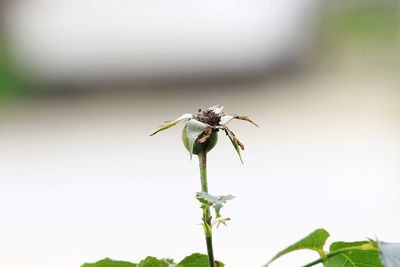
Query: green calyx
[[199, 147]]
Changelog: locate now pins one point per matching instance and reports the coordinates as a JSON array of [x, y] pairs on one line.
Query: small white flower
[[201, 127]]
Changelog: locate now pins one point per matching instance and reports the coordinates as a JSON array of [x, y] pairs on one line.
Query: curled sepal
[[390, 254], [245, 118], [184, 117], [207, 134], [194, 129], [235, 142], [217, 202]]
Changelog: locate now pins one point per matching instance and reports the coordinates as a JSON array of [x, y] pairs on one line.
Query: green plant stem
[[206, 211], [324, 258]]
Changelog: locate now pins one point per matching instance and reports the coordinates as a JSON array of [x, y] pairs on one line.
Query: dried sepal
[[235, 142], [184, 117], [245, 118], [205, 136]]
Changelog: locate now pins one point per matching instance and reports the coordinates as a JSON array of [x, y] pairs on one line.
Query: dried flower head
[[200, 131]]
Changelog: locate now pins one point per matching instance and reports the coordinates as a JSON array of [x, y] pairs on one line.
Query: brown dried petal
[[245, 118], [240, 144], [233, 136], [207, 133]]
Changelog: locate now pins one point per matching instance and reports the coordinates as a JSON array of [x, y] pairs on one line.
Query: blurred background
[[83, 83]]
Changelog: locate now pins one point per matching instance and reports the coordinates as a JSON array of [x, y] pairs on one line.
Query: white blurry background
[[80, 179], [102, 39]]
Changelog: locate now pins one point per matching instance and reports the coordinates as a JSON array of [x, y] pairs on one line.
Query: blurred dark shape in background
[[74, 42], [58, 44]]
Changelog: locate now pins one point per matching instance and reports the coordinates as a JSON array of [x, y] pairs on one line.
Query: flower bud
[[200, 147]]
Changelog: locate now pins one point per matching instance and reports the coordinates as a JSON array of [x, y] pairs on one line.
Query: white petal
[[226, 119], [186, 116], [217, 109]]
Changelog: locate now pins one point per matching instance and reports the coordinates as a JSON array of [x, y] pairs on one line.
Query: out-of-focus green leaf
[[194, 129], [153, 262], [314, 241], [194, 260], [173, 123], [109, 263], [390, 254], [170, 262], [197, 260], [217, 202], [354, 254]]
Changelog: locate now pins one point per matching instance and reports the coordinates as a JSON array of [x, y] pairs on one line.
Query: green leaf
[[354, 254], [390, 254], [194, 260], [153, 262], [170, 262], [173, 123], [194, 129], [314, 241], [109, 263], [197, 260], [217, 202]]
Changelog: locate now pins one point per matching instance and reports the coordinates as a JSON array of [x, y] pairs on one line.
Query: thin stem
[[206, 212], [324, 259]]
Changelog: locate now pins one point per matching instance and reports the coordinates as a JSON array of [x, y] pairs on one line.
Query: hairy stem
[[206, 211]]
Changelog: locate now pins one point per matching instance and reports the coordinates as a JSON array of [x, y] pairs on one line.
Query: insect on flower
[[200, 131]]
